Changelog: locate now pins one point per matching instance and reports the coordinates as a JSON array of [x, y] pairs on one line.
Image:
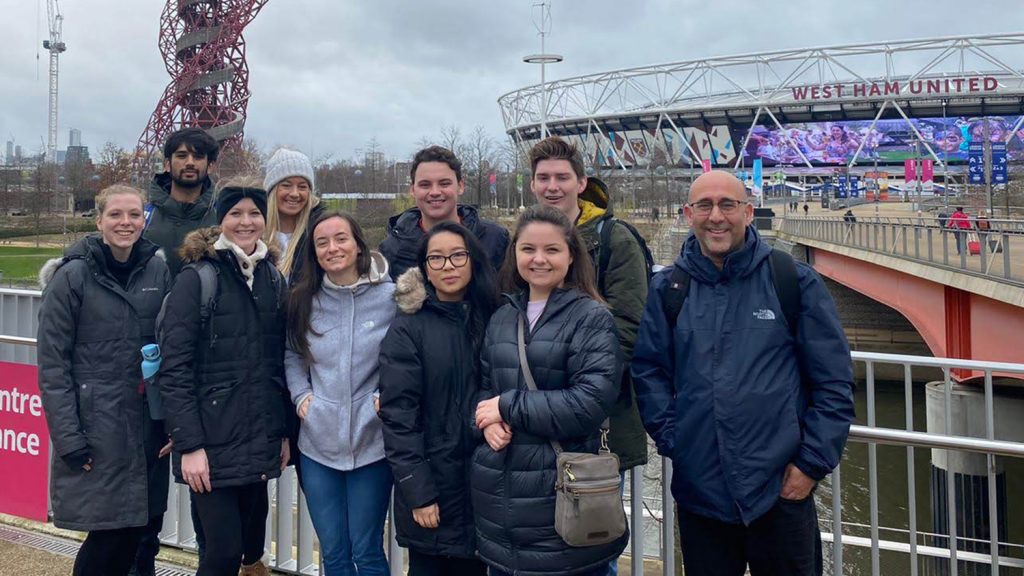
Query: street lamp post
[[543, 25]]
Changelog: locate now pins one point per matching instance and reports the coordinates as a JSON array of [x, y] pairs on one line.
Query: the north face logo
[[764, 314]]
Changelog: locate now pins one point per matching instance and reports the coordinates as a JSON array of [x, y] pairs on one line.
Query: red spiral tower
[[204, 52]]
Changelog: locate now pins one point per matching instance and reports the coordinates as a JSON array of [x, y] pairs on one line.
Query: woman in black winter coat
[[574, 355], [222, 380], [429, 367], [100, 302]]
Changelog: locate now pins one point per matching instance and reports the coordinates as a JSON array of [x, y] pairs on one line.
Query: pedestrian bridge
[[965, 305]]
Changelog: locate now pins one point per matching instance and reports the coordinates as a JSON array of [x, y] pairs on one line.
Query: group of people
[[286, 340]]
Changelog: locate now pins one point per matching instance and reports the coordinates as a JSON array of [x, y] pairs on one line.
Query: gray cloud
[[328, 76]]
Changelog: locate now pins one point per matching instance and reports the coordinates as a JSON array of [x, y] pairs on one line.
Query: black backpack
[[207, 295], [604, 255], [784, 278]]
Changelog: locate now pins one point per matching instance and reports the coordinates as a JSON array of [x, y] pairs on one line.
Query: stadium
[[859, 111]]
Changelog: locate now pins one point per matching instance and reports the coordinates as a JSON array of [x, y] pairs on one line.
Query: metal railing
[[996, 252], [292, 543]]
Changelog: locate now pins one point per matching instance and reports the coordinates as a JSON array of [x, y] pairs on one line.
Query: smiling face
[[719, 232], [449, 269], [243, 225], [542, 258], [187, 168], [121, 223], [291, 195], [436, 190], [337, 251], [556, 184]]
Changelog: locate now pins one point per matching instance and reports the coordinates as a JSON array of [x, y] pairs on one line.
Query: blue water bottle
[[150, 366]]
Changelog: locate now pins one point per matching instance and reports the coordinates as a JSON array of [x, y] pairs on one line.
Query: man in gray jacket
[[180, 201]]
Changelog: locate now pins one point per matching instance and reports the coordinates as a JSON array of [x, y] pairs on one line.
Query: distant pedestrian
[[806, 208], [959, 222]]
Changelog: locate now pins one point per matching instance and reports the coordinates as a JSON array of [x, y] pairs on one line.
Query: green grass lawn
[[21, 264]]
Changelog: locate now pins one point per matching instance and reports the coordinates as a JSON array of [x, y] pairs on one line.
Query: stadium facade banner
[[881, 89], [757, 185], [910, 173], [24, 444]]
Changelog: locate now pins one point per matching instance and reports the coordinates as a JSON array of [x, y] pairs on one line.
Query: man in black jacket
[[180, 201], [437, 183], [181, 198]]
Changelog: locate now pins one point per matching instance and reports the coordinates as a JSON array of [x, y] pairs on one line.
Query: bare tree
[[451, 138], [244, 159], [479, 159], [115, 165], [43, 189]]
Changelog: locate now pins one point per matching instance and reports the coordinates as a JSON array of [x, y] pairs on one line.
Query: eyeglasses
[[458, 260], [727, 206]]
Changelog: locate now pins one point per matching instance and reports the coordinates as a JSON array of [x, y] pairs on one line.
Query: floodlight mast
[[543, 26]]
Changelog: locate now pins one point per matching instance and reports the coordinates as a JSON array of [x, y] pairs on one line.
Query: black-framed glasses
[[458, 260], [727, 206]]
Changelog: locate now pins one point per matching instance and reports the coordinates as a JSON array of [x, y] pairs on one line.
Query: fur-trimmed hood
[[87, 248], [410, 291], [199, 244]]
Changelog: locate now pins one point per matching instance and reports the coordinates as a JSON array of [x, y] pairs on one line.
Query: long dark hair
[[482, 291], [311, 279], [581, 272]]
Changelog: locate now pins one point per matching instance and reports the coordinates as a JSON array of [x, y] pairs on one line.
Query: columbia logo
[[764, 314], [368, 324], [150, 289]]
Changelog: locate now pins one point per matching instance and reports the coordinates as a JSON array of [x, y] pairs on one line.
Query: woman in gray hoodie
[[338, 314]]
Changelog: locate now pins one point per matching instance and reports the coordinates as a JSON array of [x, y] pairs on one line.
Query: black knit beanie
[[231, 195]]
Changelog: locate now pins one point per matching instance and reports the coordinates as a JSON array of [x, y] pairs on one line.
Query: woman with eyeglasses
[[338, 314], [429, 372]]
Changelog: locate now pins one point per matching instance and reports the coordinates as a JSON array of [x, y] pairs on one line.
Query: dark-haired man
[[180, 201], [558, 180], [181, 198], [436, 176]]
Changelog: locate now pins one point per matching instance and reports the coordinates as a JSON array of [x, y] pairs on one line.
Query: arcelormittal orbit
[[204, 52]]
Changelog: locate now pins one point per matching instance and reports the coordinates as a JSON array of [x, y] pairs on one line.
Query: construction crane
[[55, 45]]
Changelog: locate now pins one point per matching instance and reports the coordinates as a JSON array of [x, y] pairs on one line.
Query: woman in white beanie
[[292, 205]]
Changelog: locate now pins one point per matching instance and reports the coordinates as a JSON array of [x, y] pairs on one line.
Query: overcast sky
[[328, 75]]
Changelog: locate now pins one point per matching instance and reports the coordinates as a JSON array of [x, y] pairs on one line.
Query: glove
[[77, 459]]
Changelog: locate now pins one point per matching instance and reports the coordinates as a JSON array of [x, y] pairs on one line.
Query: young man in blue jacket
[[753, 413]]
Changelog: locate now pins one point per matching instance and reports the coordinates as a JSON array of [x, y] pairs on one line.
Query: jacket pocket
[[220, 415], [322, 427]]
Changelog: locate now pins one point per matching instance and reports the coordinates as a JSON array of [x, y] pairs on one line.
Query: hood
[[407, 224], [199, 244], [160, 192], [596, 193], [378, 274], [410, 291], [737, 265], [88, 248]]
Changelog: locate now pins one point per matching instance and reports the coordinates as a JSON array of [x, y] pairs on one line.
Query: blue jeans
[[348, 510]]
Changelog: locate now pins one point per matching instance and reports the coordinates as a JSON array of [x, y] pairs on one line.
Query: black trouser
[[233, 520], [158, 478], [784, 541], [429, 565], [107, 552]]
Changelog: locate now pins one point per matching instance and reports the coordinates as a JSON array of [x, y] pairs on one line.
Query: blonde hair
[[116, 190], [288, 255]]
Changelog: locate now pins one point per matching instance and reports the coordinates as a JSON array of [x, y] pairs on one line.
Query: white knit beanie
[[284, 164]]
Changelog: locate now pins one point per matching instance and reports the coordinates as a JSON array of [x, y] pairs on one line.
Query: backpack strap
[[604, 253], [207, 289], [787, 286]]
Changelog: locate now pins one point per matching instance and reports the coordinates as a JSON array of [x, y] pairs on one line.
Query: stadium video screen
[[889, 142]]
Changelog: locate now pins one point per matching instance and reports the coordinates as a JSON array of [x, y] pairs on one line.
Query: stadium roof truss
[[959, 75]]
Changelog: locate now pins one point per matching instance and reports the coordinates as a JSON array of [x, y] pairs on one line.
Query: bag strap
[[524, 365]]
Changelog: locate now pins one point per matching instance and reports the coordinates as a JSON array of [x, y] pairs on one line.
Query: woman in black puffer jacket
[[222, 380], [574, 355], [429, 365]]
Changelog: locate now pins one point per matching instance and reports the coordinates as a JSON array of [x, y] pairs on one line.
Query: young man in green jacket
[[558, 180]]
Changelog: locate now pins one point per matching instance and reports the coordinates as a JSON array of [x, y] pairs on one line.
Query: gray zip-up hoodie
[[341, 429]]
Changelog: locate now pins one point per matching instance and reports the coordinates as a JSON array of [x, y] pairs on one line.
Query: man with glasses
[[754, 412]]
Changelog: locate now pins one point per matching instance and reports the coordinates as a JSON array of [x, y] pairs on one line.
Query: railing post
[[908, 397], [873, 472], [993, 500], [1006, 256], [837, 521], [668, 534], [636, 520], [950, 476]]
